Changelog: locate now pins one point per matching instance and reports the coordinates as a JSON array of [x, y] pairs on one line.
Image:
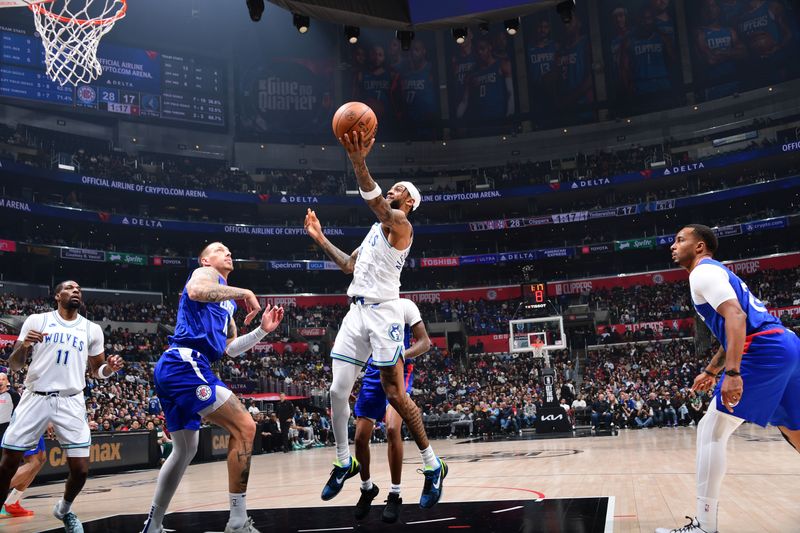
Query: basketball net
[[537, 347], [71, 31]]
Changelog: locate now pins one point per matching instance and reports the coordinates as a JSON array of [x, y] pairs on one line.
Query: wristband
[[733, 373], [101, 374], [710, 373], [370, 195]]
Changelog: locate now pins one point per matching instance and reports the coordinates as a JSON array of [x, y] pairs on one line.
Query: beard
[[74, 304], [396, 203]]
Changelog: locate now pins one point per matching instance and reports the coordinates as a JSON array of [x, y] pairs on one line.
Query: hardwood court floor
[[650, 474]]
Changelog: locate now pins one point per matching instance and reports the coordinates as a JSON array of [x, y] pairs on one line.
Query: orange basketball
[[355, 117]]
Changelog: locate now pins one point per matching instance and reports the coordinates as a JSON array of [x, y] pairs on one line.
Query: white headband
[[413, 192]]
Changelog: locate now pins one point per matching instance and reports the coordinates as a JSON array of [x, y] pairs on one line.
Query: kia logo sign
[[552, 418]]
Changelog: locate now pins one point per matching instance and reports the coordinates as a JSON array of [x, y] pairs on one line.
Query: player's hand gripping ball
[[355, 117]]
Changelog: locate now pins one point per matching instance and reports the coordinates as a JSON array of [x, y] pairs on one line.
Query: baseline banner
[[109, 451], [792, 311], [5, 340], [677, 324], [500, 293], [8, 246], [81, 254], [746, 266]]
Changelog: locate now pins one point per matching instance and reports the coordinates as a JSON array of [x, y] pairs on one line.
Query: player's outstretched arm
[[270, 320], [313, 227], [357, 149], [423, 343], [204, 286]]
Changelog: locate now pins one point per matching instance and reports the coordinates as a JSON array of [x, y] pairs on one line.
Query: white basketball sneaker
[[248, 527], [692, 527]]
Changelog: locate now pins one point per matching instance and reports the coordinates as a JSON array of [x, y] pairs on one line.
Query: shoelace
[[71, 520], [429, 474], [688, 527]]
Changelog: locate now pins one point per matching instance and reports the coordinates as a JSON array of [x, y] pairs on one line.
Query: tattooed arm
[[357, 149], [313, 227], [204, 286], [717, 362]]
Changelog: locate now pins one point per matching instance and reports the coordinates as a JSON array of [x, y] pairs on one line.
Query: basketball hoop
[[71, 31], [537, 346]]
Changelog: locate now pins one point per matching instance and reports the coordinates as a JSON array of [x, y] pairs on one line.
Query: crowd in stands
[[667, 301], [97, 158]]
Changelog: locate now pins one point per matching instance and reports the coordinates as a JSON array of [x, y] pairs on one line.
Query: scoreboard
[[535, 292], [135, 82]]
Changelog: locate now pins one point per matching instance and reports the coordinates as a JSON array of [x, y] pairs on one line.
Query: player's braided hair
[[706, 235]]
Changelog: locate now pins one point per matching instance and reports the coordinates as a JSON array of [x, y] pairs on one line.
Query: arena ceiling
[[413, 14]]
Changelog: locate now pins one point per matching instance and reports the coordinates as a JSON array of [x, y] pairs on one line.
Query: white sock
[[238, 510], [395, 489], [155, 518], [366, 485], [14, 497], [429, 458], [707, 513], [62, 508], [344, 377]]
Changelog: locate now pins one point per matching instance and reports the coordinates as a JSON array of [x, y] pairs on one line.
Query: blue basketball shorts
[[371, 402], [771, 378], [39, 448], [187, 388]]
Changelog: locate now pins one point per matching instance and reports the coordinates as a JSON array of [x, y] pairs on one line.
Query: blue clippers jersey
[[203, 326], [488, 95], [373, 373], [419, 92], [719, 40], [758, 318], [758, 21], [575, 63], [541, 60], [377, 87], [649, 64]]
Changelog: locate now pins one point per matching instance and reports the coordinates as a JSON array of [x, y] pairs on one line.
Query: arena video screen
[[135, 82]]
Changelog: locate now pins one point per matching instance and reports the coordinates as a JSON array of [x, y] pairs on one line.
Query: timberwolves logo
[[203, 393], [394, 332], [86, 94]]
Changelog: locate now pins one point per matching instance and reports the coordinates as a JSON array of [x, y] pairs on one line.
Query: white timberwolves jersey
[[59, 362], [377, 272]]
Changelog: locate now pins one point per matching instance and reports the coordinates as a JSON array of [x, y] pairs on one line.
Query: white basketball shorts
[[371, 329], [34, 412]]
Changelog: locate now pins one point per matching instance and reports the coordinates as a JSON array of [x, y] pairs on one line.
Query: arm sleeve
[[96, 340], [241, 344], [710, 283], [411, 313]]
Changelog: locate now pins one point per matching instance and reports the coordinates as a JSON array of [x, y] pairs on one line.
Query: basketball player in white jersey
[[59, 343], [374, 325]]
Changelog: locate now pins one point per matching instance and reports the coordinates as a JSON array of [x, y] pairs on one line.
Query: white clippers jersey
[[378, 267], [59, 362]]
